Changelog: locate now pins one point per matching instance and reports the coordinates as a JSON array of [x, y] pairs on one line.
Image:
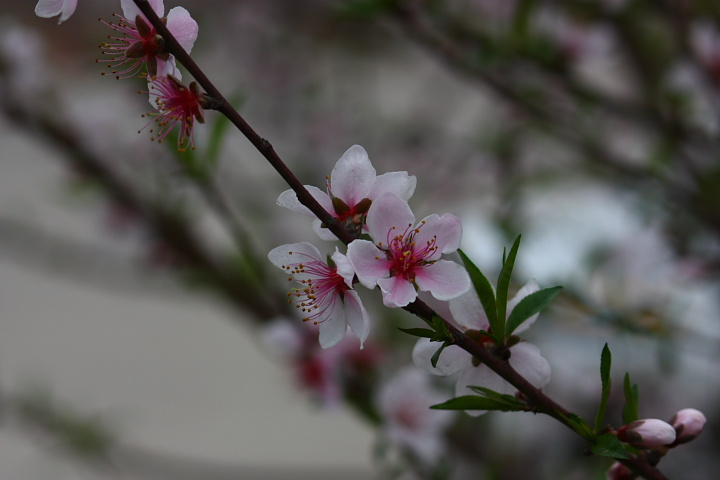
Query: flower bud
[[618, 471], [688, 424], [648, 433]]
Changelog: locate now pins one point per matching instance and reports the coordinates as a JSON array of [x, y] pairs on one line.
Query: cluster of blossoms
[[141, 51], [402, 257]]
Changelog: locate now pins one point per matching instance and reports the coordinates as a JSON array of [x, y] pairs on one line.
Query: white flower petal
[[530, 287], [289, 200], [293, 253], [334, 328], [356, 315], [444, 279], [388, 212], [130, 10], [467, 311], [525, 358], [397, 292], [369, 262], [344, 267], [452, 359], [399, 183], [353, 176], [445, 231], [51, 8], [183, 27]]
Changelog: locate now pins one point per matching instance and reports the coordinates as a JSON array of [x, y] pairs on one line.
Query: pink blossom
[[176, 104], [688, 424], [468, 313], [325, 295], [405, 257], [404, 403], [647, 433], [321, 372], [352, 187], [618, 471], [140, 44], [51, 8]]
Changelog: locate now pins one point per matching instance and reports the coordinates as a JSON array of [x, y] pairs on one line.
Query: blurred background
[[137, 308]]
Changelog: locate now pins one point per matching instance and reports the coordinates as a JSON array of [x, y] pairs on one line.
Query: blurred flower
[[351, 188], [51, 8], [618, 471], [325, 295], [404, 256], [647, 433], [322, 372], [141, 45], [175, 104], [404, 403], [468, 312], [688, 424]]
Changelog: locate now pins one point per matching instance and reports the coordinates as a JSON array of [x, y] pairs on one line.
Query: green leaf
[[503, 286], [580, 426], [475, 402], [605, 364], [419, 332], [608, 445], [509, 400], [630, 411], [484, 290], [436, 356], [529, 306]]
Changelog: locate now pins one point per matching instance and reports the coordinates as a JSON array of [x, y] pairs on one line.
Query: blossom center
[[405, 255], [321, 287]]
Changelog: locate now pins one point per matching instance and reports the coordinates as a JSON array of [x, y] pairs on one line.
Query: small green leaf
[[578, 424], [419, 332], [503, 285], [605, 364], [509, 400], [608, 445], [529, 306], [630, 411], [436, 356], [484, 290], [474, 402]]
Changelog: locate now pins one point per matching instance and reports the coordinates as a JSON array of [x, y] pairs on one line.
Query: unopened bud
[[688, 424], [648, 433], [618, 471]]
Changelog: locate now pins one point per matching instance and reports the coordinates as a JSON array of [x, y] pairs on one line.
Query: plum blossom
[[175, 104], [468, 313], [618, 471], [405, 257], [52, 8], [140, 45], [403, 402], [688, 424], [647, 433], [325, 295], [321, 372], [351, 188]]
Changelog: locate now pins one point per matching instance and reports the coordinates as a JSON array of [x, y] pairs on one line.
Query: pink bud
[[688, 424], [618, 471], [648, 433]]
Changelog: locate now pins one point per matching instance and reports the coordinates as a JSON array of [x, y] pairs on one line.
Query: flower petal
[[353, 176], [530, 287], [399, 183], [452, 359], [444, 279], [333, 328], [526, 359], [356, 316], [468, 312], [51, 8], [183, 27], [130, 10], [387, 212], [445, 230], [344, 268], [293, 253], [397, 292], [289, 200], [369, 262]]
